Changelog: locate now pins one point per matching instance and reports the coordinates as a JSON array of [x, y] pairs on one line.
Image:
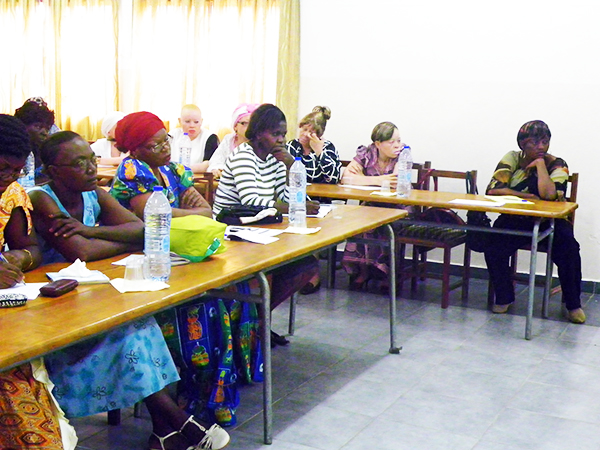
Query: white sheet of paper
[[95, 277], [362, 188], [507, 199], [295, 230], [323, 211], [252, 234], [31, 290]]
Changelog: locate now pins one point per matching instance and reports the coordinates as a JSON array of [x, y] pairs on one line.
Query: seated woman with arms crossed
[[533, 173], [144, 136], [76, 218], [256, 175]]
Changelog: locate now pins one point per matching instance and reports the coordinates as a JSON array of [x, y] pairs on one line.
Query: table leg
[[265, 307], [532, 267], [392, 282], [548, 280]]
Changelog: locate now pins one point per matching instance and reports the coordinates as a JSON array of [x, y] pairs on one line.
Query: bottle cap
[[158, 188], [297, 158]]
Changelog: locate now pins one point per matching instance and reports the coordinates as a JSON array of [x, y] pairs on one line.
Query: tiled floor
[[465, 379]]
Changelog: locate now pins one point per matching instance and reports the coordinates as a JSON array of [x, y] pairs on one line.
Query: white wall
[[459, 78]]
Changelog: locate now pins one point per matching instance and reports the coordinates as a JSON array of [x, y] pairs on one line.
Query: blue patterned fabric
[[134, 177], [91, 213], [113, 371]]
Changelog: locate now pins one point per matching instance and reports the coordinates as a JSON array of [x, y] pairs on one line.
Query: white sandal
[[215, 437]]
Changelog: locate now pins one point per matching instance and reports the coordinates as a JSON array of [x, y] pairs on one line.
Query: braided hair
[[14, 140]]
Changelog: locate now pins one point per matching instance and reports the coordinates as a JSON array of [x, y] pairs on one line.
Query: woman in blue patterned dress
[[133, 362]]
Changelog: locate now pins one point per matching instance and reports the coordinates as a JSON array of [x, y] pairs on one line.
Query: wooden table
[[538, 209], [46, 324]]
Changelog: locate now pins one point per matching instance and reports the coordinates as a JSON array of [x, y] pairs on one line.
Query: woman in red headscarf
[[144, 136]]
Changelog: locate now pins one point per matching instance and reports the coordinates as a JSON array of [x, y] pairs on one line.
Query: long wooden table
[[538, 209], [46, 324]]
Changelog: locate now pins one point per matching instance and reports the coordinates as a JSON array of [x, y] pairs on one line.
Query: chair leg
[[466, 273], [137, 410], [292, 318], [446, 279], [416, 269], [401, 264], [491, 295], [114, 417]]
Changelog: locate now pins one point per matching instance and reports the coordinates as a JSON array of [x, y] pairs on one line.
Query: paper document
[[507, 199], [362, 188], [323, 211], [252, 234], [30, 290]]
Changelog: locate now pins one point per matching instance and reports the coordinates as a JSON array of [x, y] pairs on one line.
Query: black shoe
[[310, 288], [278, 340]]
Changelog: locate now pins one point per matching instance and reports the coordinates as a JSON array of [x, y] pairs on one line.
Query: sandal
[[161, 440], [214, 438]]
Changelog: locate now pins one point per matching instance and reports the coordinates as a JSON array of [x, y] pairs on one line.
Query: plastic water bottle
[[157, 236], [297, 194], [28, 178], [185, 150], [404, 165]]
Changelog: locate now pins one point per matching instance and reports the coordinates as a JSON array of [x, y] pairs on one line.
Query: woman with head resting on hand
[[144, 136], [79, 219], [319, 156], [19, 390], [256, 175], [533, 173]]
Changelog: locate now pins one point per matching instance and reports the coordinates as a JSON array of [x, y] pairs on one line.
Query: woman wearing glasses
[[77, 219], [144, 136], [533, 173], [67, 209]]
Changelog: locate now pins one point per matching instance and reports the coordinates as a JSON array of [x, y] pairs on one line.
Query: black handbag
[[477, 240], [249, 215]]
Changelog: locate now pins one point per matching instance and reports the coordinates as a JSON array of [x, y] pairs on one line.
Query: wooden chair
[[424, 238], [205, 183], [570, 196]]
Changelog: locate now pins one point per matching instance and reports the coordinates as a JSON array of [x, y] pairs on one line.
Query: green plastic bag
[[197, 237]]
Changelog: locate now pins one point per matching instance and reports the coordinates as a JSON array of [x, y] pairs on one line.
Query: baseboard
[[590, 287]]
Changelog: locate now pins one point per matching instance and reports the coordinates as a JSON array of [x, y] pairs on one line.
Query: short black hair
[[32, 112], [265, 117], [49, 148], [14, 139]]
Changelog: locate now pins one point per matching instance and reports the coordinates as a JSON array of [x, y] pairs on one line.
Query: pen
[[3, 258]]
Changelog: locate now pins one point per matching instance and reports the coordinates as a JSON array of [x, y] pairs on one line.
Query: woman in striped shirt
[[256, 175]]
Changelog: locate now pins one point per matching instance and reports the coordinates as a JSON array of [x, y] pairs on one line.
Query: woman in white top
[[239, 123], [105, 147]]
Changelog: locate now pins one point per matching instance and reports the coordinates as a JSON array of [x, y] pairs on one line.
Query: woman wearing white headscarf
[[105, 148]]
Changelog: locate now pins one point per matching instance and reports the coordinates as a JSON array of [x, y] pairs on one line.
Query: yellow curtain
[[90, 57], [288, 68]]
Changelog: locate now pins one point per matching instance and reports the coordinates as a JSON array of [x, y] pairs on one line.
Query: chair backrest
[[204, 182], [571, 194], [428, 174]]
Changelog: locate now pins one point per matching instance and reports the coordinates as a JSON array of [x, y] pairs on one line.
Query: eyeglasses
[[8, 173], [81, 164], [161, 145], [536, 141]]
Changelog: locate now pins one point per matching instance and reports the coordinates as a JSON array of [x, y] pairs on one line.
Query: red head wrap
[[135, 129]]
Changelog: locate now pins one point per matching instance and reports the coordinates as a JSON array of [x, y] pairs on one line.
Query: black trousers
[[565, 254]]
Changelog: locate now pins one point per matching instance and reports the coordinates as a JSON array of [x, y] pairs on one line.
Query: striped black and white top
[[325, 168], [248, 180]]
